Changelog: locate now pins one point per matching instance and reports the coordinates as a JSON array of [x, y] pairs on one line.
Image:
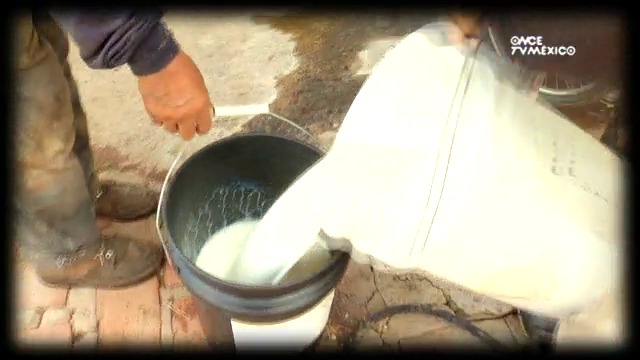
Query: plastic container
[[210, 190]]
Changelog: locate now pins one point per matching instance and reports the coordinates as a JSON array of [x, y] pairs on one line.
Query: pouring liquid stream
[[288, 231]]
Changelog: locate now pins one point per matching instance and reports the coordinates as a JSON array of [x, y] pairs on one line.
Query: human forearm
[[110, 39]]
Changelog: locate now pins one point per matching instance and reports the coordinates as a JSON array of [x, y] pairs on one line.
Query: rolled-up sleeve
[[109, 39]]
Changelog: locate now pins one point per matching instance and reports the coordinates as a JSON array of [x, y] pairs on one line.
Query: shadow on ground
[[318, 93]]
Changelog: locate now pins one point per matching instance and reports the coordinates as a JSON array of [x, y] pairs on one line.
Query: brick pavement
[[160, 313], [157, 312]]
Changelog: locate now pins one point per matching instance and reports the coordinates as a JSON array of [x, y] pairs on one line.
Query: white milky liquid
[[228, 245], [286, 232]]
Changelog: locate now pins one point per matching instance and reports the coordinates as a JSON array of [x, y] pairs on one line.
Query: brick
[[84, 322], [167, 297], [83, 303], [86, 341], [30, 319], [55, 317], [166, 333], [82, 298], [32, 293], [58, 335], [186, 325], [175, 293], [170, 277], [130, 316]]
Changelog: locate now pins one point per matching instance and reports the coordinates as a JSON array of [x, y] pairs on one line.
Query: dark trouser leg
[[56, 184], [82, 145], [48, 29], [615, 134], [56, 219], [119, 201]]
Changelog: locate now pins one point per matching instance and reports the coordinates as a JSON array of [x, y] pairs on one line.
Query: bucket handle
[[225, 111]]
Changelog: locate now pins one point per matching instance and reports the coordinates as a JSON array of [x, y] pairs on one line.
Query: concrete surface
[[308, 68]]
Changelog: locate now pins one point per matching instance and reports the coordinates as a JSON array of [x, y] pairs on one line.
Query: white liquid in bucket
[[287, 232], [217, 258], [228, 245]]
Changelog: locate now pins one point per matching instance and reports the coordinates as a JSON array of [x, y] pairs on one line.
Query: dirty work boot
[[124, 201], [115, 262]]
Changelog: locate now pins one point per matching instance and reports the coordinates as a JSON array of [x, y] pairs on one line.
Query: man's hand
[[469, 23], [469, 29], [176, 98]]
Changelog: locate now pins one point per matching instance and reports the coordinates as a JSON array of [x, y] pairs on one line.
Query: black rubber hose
[[428, 309]]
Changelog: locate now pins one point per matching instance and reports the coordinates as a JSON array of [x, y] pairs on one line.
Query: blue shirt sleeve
[[109, 39]]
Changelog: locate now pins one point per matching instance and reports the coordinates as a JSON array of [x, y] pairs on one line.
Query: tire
[[585, 93], [612, 136], [539, 329]]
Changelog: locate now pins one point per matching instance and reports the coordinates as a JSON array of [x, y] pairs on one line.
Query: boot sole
[[121, 284]]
